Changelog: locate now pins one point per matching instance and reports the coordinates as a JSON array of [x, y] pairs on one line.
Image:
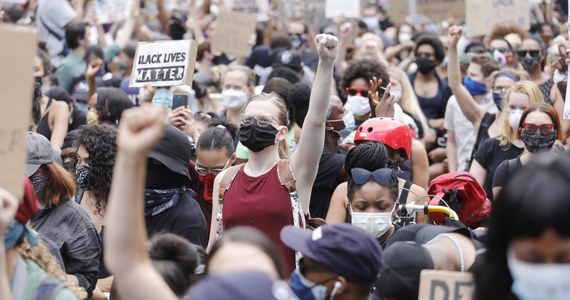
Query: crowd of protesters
[[330, 163]]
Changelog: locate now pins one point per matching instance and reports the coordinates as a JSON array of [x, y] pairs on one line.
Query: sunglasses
[[502, 50], [545, 129], [354, 92], [533, 53], [361, 176]]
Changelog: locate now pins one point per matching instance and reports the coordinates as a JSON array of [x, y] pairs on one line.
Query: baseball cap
[[40, 152], [345, 249], [173, 151], [108, 80], [289, 59], [242, 285], [400, 275], [80, 91]]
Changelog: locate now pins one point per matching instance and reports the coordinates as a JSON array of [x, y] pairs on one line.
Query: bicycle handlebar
[[409, 209]]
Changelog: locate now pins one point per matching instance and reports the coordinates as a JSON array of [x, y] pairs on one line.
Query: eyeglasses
[[533, 53], [361, 176], [500, 89], [261, 121], [545, 129], [354, 92], [502, 50], [214, 171]]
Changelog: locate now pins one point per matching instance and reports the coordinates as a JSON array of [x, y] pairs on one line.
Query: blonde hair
[[283, 117], [249, 74], [46, 261], [526, 87], [409, 101]]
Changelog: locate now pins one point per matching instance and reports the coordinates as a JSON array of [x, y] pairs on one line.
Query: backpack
[[463, 194]]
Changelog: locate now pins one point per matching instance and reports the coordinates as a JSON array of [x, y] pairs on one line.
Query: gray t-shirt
[[52, 17]]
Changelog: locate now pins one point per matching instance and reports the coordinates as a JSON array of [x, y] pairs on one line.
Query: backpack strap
[[225, 184], [286, 176]]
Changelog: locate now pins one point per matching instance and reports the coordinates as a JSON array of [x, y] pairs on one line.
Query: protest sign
[[111, 11], [567, 100], [14, 1], [233, 33], [439, 10], [16, 84], [399, 10], [164, 63], [293, 9], [446, 285], [349, 8], [315, 14], [257, 7], [484, 14]]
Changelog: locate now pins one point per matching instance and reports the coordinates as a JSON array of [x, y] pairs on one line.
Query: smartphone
[[179, 100]]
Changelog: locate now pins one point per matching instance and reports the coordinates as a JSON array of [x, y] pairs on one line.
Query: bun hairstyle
[[179, 262], [219, 135]]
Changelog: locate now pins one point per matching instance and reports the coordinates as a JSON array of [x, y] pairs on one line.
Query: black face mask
[[498, 99], [537, 142], [176, 31], [425, 65], [158, 176], [530, 63], [256, 137]]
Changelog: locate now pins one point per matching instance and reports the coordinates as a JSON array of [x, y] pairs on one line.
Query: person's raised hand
[[380, 99], [454, 33], [93, 67], [346, 32], [327, 47], [140, 129], [176, 117], [561, 63], [8, 207]]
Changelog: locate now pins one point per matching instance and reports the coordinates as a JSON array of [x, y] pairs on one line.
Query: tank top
[[262, 203], [545, 88], [483, 133], [43, 125]]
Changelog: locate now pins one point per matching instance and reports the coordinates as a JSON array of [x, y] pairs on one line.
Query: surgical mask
[[39, 182], [358, 105], [397, 95], [234, 99], [92, 118], [404, 37], [475, 88], [163, 97], [532, 281], [515, 118], [376, 224], [256, 137], [498, 99], [537, 142], [305, 289], [425, 65], [500, 58], [349, 122], [297, 40], [81, 173]]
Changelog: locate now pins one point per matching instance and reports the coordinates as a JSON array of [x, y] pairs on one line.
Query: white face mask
[[538, 281], [515, 118], [404, 37], [234, 99], [358, 105], [397, 95], [375, 223]]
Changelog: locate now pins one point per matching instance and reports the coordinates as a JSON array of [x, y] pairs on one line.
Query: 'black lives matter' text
[[158, 74]]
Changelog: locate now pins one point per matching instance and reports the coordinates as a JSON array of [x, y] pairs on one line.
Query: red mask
[[208, 182]]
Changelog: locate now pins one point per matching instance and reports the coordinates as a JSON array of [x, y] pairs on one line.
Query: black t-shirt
[[504, 171], [423, 233], [490, 155], [184, 219], [328, 178]]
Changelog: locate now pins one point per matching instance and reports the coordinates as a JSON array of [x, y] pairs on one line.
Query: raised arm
[[469, 107], [305, 160], [126, 254]]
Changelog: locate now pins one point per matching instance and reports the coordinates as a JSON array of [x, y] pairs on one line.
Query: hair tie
[[506, 74]]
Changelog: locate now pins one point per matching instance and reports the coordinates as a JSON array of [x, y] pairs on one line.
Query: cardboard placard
[[233, 33], [567, 100], [14, 1], [112, 11], [439, 10], [484, 14], [446, 285], [293, 9], [16, 84], [349, 8], [399, 11], [257, 7], [164, 63]]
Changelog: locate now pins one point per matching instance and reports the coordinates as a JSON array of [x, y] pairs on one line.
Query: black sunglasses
[[533, 53], [354, 92], [361, 176]]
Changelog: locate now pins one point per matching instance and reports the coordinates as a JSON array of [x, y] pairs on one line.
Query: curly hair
[[500, 31], [365, 69], [46, 261], [100, 141]]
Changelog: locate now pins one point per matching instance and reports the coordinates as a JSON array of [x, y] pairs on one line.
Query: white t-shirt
[[464, 133], [55, 15]]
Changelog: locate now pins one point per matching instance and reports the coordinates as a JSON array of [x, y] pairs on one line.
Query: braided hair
[[370, 156]]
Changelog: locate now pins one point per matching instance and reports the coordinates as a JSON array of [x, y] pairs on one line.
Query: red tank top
[[262, 203]]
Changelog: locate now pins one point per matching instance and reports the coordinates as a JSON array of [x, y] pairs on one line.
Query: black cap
[[173, 151], [400, 274], [289, 59]]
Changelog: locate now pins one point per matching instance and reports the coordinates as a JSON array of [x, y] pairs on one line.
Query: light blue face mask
[[349, 125], [163, 97], [305, 289], [532, 281]]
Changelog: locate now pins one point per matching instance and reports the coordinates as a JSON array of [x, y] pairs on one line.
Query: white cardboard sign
[[349, 8], [164, 63], [111, 11]]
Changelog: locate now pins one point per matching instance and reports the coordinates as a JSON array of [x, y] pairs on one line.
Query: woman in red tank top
[[256, 197]]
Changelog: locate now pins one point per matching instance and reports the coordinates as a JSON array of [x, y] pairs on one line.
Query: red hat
[[390, 132], [29, 207]]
